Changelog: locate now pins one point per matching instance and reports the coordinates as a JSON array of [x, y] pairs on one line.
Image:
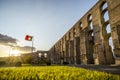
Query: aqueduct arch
[[89, 40]]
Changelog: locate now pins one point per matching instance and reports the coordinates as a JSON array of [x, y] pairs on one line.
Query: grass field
[[53, 73]]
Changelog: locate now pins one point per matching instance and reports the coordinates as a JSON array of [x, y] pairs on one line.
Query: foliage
[[53, 73], [27, 59], [48, 63], [18, 64], [2, 62], [26, 65], [44, 62], [65, 63], [12, 59]]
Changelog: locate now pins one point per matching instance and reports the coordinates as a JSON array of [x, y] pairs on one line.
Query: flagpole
[[32, 43], [32, 49]]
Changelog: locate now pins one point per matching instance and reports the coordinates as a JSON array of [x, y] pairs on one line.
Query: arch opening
[[108, 29], [104, 6], [106, 16]]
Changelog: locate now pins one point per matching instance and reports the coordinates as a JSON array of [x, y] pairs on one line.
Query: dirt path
[[113, 69]]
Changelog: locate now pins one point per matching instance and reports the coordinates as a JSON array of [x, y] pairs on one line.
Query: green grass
[[26, 65], [53, 73]]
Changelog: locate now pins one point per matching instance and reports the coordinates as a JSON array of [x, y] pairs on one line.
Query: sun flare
[[15, 52]]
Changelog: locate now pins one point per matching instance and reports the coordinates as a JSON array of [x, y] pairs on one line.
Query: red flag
[[28, 38]]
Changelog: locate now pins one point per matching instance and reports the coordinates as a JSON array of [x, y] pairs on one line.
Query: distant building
[[38, 55], [42, 55]]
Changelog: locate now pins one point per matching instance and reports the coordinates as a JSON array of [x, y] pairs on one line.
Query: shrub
[[41, 62], [65, 63], [48, 63], [2, 62], [18, 64]]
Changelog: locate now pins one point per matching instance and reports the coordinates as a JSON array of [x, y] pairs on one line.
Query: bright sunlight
[[15, 53]]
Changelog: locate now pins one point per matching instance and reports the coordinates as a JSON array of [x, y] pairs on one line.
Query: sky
[[46, 20]]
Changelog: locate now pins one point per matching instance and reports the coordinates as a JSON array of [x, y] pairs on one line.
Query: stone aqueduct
[[89, 40]]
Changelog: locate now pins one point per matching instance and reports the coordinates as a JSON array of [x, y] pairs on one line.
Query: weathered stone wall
[[87, 42], [114, 13]]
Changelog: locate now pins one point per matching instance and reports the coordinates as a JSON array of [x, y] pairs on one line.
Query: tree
[[28, 59]]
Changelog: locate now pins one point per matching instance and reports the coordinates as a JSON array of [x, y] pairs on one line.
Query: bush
[[65, 63], [29, 59], [48, 63], [2, 62], [18, 64], [41, 62]]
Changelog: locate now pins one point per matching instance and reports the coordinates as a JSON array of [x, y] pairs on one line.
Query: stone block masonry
[[90, 40]]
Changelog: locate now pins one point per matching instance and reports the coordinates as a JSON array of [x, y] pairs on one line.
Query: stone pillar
[[71, 51], [63, 53], [114, 15], [89, 49], [83, 47], [67, 50], [108, 53], [116, 40], [77, 50], [100, 53]]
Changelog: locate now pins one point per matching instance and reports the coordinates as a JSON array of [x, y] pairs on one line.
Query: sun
[[15, 53]]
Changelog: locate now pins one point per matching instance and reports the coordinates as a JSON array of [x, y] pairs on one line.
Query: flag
[[28, 38]]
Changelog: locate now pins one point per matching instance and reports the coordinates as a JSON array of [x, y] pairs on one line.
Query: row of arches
[[104, 17], [76, 42], [106, 33], [106, 29], [104, 20]]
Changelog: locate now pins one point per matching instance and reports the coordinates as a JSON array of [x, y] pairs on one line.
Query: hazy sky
[[46, 20]]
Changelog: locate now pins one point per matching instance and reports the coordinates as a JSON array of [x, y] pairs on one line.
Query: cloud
[[25, 48], [9, 41], [6, 40]]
